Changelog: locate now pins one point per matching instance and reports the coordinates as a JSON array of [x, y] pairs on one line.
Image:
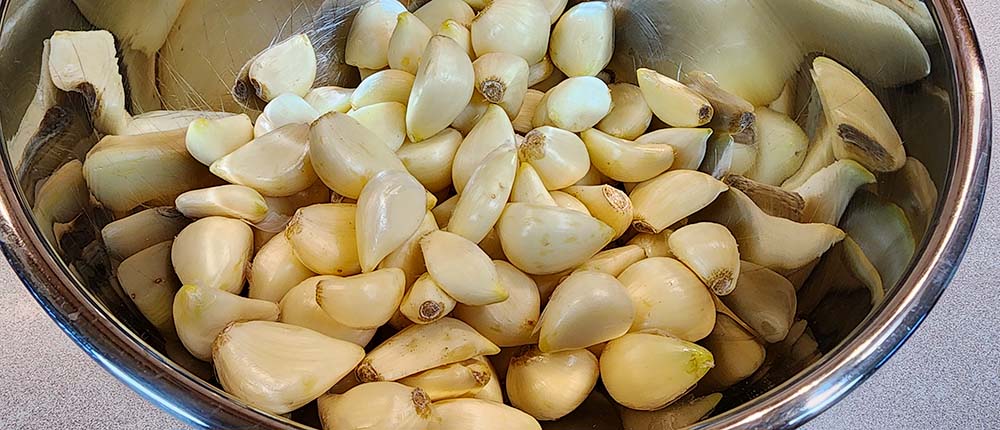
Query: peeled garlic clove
[[383, 86], [529, 188], [613, 261], [594, 177], [510, 322], [463, 379], [578, 103], [233, 201], [689, 144], [441, 90], [435, 12], [407, 43], [213, 252], [585, 309], [626, 365], [550, 386], [629, 116], [323, 238], [502, 79], [386, 120], [377, 406], [542, 240], [671, 197], [606, 203], [127, 236], [364, 301], [329, 99], [442, 212], [483, 199], [368, 39], [724, 155], [280, 367], [299, 307], [883, 232], [678, 415], [782, 148], [864, 131], [390, 208], [764, 300], [463, 414], [426, 302], [827, 192], [668, 297], [530, 102], [276, 164], [654, 244], [346, 155], [524, 25], [559, 157], [583, 39], [913, 190], [541, 71], [288, 67], [208, 140], [149, 281], [460, 33], [710, 251], [430, 160], [844, 269], [567, 201], [408, 257], [460, 268], [626, 161], [442, 342], [737, 354], [673, 102], [493, 131], [818, 156], [201, 313]]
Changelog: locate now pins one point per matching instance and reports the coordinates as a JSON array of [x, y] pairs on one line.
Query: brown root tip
[[643, 227], [367, 373], [617, 198], [482, 378], [430, 310], [744, 121], [533, 146], [875, 153], [421, 402], [705, 113], [492, 90], [722, 283]]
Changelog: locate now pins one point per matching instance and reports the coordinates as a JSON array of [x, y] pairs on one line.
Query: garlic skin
[[626, 363], [510, 322], [299, 307], [383, 86], [430, 160], [626, 161], [689, 145], [85, 62], [680, 414], [208, 140], [613, 261], [531, 102], [328, 99], [586, 309], [550, 386], [441, 90], [673, 102], [462, 379], [213, 252], [346, 155], [542, 240], [502, 78], [323, 238], [765, 300], [606, 203], [710, 251], [725, 155], [578, 103], [781, 148], [276, 164], [559, 157], [519, 27], [233, 201], [828, 192], [462, 269], [390, 208], [464, 414], [201, 313], [364, 301], [483, 199], [442, 342], [280, 367], [368, 40], [409, 257], [583, 39], [883, 233], [629, 116], [288, 67], [377, 406], [386, 120], [493, 131], [671, 197], [127, 236], [436, 12], [283, 110], [668, 297], [148, 279], [426, 302]]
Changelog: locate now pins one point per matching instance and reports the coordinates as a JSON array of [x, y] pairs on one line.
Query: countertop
[[944, 377]]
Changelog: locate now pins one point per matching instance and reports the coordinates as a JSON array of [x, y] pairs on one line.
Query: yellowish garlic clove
[[493, 131], [426, 302], [460, 33], [606, 203], [710, 251], [213, 252], [346, 155], [208, 140], [85, 62], [483, 199], [127, 236], [408, 257], [559, 157], [531, 101], [364, 301], [461, 414], [764, 300], [471, 115], [299, 307], [567, 201], [845, 268], [368, 40], [523, 25], [329, 99], [578, 103], [430, 160], [383, 86], [377, 406], [462, 379], [281, 209], [689, 145], [671, 197], [407, 43], [676, 416], [386, 120], [541, 71], [442, 342], [550, 386], [626, 161], [630, 115], [441, 90], [737, 354], [529, 188], [654, 244], [828, 192], [613, 261], [818, 155], [913, 190], [782, 148], [323, 238], [280, 367], [148, 278], [233, 201], [583, 39], [276, 164], [673, 102], [542, 240], [436, 12], [491, 245], [462, 269], [626, 363], [510, 322], [668, 297], [585, 309], [201, 313], [390, 209], [502, 78]]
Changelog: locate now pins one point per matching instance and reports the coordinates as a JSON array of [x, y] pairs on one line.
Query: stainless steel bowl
[[72, 278]]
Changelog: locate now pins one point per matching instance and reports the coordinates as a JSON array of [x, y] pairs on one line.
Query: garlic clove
[[845, 268], [510, 322], [666, 199], [346, 155], [288, 67], [442, 212], [323, 238], [441, 90], [883, 232], [594, 177], [541, 71], [529, 188], [85, 62], [233, 201], [677, 415], [471, 115], [542, 240], [407, 43], [208, 140], [386, 120], [390, 209], [710, 251], [725, 155], [613, 261], [737, 354], [578, 103], [462, 414], [368, 40], [567, 201], [670, 298], [523, 24], [630, 115], [281, 209], [426, 302], [827, 192], [502, 79], [460, 33], [280, 367], [430, 160], [654, 244], [213, 252], [435, 12], [626, 363], [377, 406], [531, 101], [818, 155], [493, 131], [764, 300], [201, 313], [299, 307], [283, 110], [585, 309], [673, 102], [491, 391], [462, 379], [442, 342], [462, 269], [559, 157], [606, 203], [483, 199], [583, 39], [328, 99], [148, 279], [408, 257], [364, 301], [626, 161], [550, 386], [781, 148], [276, 164], [127, 236], [689, 145], [383, 86]]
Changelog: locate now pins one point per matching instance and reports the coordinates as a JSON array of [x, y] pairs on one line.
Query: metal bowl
[[72, 276]]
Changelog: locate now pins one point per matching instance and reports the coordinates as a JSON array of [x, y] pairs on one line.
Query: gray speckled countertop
[[946, 377]]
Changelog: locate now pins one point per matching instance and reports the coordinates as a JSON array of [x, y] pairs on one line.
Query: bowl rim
[[175, 390]]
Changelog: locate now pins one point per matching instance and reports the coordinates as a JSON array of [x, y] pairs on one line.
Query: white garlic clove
[[283, 110], [543, 240], [471, 115], [668, 297], [491, 391], [529, 188], [614, 261], [550, 386], [519, 27], [594, 177], [208, 140], [386, 120], [127, 236], [463, 379], [567, 201], [390, 208], [441, 90], [583, 39], [377, 406], [818, 155], [383, 86], [368, 40], [430, 160], [689, 145], [281, 209], [408, 257], [364, 301], [201, 313], [493, 131], [299, 307], [323, 238], [626, 161], [559, 157], [585, 309], [502, 78], [510, 322], [426, 302], [726, 155], [213, 252], [883, 232], [276, 164], [626, 365], [827, 192], [407, 43], [606, 203], [710, 251], [346, 155], [148, 279], [329, 99], [531, 102], [462, 269], [671, 197], [673, 102], [781, 148], [483, 199], [463, 414], [233, 201], [630, 115], [435, 12], [460, 33], [442, 212], [288, 67], [578, 103], [654, 244]]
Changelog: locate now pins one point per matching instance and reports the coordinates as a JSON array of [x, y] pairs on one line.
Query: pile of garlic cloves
[[490, 231]]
